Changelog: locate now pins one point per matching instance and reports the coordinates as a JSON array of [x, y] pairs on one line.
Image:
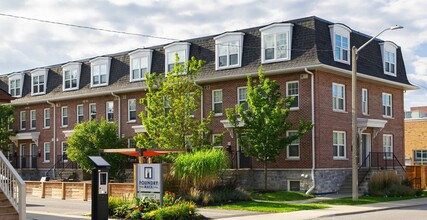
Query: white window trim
[[140, 53], [106, 111], [46, 116], [213, 102], [62, 117], [287, 147], [345, 146], [31, 119], [64, 152], [239, 101], [391, 104], [22, 113], [287, 93], [70, 67], [392, 48], [224, 39], [89, 112], [39, 72], [100, 61], [16, 76], [344, 102], [275, 29], [343, 31], [44, 152], [175, 47], [365, 102], [213, 141], [388, 157], [289, 184], [129, 100], [77, 113]]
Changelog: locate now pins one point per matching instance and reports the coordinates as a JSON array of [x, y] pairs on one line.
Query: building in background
[[416, 136]]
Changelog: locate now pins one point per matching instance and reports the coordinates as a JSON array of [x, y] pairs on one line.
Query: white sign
[[149, 178]]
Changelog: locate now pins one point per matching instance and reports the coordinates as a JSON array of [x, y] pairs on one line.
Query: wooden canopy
[[138, 152]]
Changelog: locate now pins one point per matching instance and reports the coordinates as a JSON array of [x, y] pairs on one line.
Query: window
[[64, 116], [292, 90], [92, 111], [166, 105], [242, 96], [276, 43], [22, 120], [33, 119], [140, 63], [80, 114], [131, 110], [217, 140], [420, 157], [9, 124], [293, 149], [217, 102], [182, 49], [64, 152], [388, 52], [15, 84], [131, 143], [46, 118], [340, 36], [338, 97], [294, 185], [339, 145], [387, 105], [109, 110], [71, 76], [365, 109], [388, 146], [38, 81], [46, 154], [228, 50], [100, 71]]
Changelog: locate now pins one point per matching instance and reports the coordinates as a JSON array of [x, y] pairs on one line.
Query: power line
[[87, 27]]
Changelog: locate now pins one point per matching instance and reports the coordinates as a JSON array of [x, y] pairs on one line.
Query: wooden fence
[[74, 190], [417, 175]]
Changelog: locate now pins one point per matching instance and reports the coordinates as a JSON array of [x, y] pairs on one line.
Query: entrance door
[[365, 149], [23, 157], [64, 152], [33, 156], [243, 161]]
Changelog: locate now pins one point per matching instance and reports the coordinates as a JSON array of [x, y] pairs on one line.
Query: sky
[[29, 44]]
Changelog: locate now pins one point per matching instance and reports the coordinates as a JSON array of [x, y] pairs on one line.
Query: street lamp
[[354, 141]]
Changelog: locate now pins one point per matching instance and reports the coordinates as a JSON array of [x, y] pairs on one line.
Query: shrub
[[115, 203], [218, 195], [182, 210], [389, 184], [169, 199]]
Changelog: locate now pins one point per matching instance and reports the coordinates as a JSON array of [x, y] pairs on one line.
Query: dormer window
[[140, 63], [71, 76], [16, 81], [180, 48], [228, 50], [38, 81], [388, 53], [340, 36], [276, 43], [100, 71]]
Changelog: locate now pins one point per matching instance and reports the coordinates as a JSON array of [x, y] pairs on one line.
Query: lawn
[[368, 200], [269, 206], [280, 196]]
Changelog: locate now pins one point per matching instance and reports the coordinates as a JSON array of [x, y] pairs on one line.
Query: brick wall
[[415, 136]]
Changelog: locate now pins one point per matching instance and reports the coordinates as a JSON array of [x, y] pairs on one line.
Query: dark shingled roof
[[311, 45]]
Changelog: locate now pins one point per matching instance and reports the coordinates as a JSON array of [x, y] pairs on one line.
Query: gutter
[[313, 144], [54, 136], [120, 113]]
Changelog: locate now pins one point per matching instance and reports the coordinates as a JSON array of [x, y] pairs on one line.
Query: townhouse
[[415, 136], [310, 59]]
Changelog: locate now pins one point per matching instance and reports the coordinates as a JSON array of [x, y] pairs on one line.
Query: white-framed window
[[22, 120], [387, 104], [166, 106], [9, 125], [46, 118], [64, 116], [338, 97], [80, 114], [228, 50], [131, 110], [217, 140], [64, 156], [92, 111], [294, 185], [388, 146], [38, 81], [276, 42], [340, 36], [217, 102], [292, 90], [131, 143], [71, 76], [420, 157], [46, 152], [109, 111], [16, 81], [180, 48], [339, 145], [365, 109], [242, 97], [388, 52], [140, 63], [33, 116], [100, 71], [293, 149]]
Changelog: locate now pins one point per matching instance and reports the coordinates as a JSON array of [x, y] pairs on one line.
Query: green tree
[[6, 118], [169, 108], [263, 135], [91, 136]]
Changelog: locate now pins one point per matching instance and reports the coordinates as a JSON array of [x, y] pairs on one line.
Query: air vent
[[304, 76]]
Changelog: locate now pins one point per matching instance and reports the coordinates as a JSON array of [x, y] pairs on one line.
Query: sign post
[[149, 181]]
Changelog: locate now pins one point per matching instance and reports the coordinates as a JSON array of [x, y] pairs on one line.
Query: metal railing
[[62, 162], [13, 186], [380, 161]]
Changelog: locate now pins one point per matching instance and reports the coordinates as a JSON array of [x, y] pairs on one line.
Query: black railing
[[24, 161], [380, 161], [62, 163]]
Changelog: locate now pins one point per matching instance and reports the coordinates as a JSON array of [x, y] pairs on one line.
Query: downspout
[[120, 113], [54, 136], [313, 144]]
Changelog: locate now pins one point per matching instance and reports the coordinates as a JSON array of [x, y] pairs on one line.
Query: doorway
[[365, 149]]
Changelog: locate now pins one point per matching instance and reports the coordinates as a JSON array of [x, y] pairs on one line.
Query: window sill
[[293, 159], [390, 74], [45, 128], [228, 67], [47, 161], [274, 60], [131, 122], [218, 114], [32, 129], [365, 114], [70, 89], [340, 158], [294, 109], [64, 126], [137, 80], [388, 117], [342, 61], [339, 111]]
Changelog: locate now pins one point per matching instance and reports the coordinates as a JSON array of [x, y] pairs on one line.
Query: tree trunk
[[265, 175]]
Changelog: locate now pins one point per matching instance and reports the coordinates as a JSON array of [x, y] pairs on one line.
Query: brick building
[[416, 136], [309, 57]]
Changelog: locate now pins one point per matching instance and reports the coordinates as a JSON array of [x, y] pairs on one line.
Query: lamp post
[[354, 135]]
